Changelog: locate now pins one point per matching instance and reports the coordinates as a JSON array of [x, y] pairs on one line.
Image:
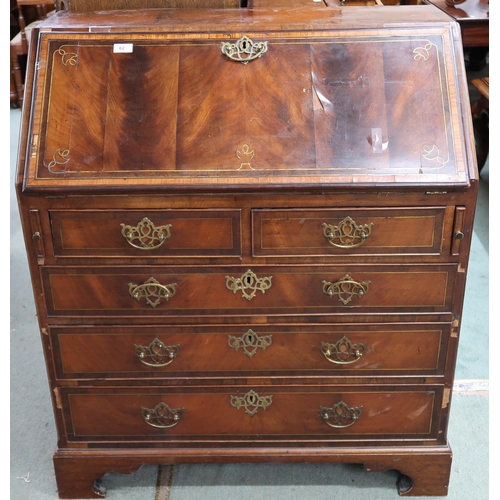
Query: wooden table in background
[[474, 20], [480, 120]]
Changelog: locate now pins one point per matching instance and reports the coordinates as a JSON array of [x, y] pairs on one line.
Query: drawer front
[[151, 233], [388, 231], [144, 352], [259, 412], [260, 290]]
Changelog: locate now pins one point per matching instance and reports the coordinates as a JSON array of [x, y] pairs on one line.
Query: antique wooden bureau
[[248, 235]]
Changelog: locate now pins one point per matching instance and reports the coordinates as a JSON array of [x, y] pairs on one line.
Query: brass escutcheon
[[345, 289], [156, 354], [250, 342], [146, 236], [251, 401], [343, 352], [244, 50], [347, 234], [162, 416], [248, 281], [340, 414], [152, 291]]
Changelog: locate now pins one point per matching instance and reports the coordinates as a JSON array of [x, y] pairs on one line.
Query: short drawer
[[384, 231], [149, 351], [260, 413], [134, 291], [151, 233]]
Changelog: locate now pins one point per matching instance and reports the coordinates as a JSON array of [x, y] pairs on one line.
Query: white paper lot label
[[124, 48]]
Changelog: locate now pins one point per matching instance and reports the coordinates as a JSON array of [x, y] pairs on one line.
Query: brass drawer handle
[[347, 234], [250, 342], [248, 281], [343, 352], [251, 401], [340, 415], [146, 236], [152, 291], [244, 50], [345, 289], [162, 416], [156, 354]]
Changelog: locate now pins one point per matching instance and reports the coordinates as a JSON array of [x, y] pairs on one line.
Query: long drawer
[[131, 291], [235, 413], [348, 231], [146, 233], [149, 351]]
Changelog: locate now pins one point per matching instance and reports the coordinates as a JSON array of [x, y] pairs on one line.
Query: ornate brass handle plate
[[345, 289], [152, 291], [248, 281], [146, 236], [343, 352], [250, 342], [244, 50], [162, 416], [340, 415], [157, 354], [251, 401], [347, 234]]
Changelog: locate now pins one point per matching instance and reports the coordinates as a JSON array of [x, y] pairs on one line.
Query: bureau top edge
[[222, 20]]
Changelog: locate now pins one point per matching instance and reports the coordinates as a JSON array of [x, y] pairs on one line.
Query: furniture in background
[[272, 268], [14, 97], [19, 44], [480, 119], [14, 30], [474, 19]]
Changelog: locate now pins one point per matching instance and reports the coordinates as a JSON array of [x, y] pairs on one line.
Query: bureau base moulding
[[79, 473]]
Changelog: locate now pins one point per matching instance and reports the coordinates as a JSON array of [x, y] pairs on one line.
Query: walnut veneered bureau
[[248, 234]]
